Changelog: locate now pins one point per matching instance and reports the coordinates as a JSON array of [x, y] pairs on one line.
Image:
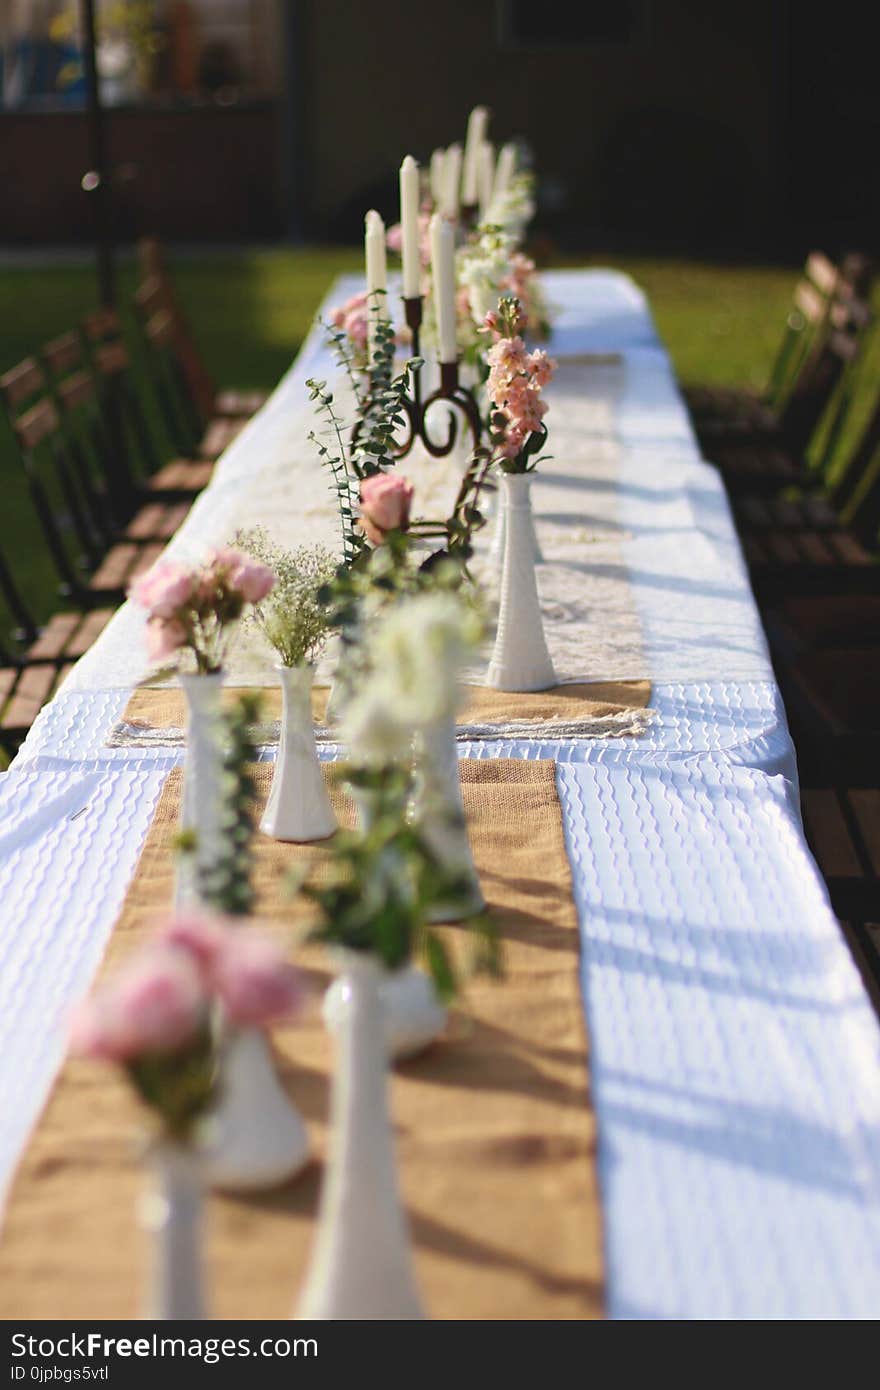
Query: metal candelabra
[[450, 391]]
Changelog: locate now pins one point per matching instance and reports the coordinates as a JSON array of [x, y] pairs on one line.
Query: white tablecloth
[[735, 1057]]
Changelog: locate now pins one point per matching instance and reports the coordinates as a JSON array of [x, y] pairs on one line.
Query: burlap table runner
[[495, 1135], [594, 710]]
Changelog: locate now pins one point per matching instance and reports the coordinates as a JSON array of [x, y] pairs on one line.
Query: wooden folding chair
[[76, 389], [209, 402], [812, 546], [52, 475], [34, 661], [716, 410], [821, 394], [720, 414], [124, 415], [164, 358]]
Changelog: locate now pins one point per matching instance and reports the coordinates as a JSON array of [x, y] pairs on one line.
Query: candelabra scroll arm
[[456, 396]]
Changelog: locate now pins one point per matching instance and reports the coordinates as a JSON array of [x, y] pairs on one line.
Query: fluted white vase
[[437, 808], [257, 1138], [520, 659], [499, 527], [361, 1265], [298, 808], [202, 796], [413, 1015], [171, 1214]]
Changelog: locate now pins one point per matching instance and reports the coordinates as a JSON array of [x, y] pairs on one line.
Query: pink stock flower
[[386, 499], [512, 441], [155, 1003], [522, 270], [507, 358], [394, 238], [254, 981], [541, 368], [163, 589]]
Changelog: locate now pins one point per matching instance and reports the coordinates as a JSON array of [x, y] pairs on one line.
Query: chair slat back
[[810, 303], [21, 382], [37, 424], [63, 354], [822, 273]]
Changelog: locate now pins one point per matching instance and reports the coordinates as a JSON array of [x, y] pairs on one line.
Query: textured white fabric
[[735, 1057]]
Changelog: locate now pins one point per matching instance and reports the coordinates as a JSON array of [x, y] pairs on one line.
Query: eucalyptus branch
[[226, 885]]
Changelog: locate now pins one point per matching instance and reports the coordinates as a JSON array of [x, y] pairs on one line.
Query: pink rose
[[248, 578], [201, 936], [253, 581], [165, 636], [155, 1003], [351, 317], [163, 589], [357, 327], [255, 982], [386, 499]]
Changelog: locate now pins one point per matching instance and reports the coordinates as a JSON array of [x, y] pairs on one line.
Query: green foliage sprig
[[226, 885], [383, 881], [349, 454]]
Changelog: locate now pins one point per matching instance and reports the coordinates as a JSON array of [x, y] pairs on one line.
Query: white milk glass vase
[[520, 659], [298, 808], [171, 1214], [499, 527], [413, 1015], [257, 1137], [438, 810], [201, 802], [361, 1265]]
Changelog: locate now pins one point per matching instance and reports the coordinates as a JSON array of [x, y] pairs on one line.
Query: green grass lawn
[[251, 310]]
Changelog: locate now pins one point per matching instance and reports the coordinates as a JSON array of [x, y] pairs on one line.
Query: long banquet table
[[735, 1058]]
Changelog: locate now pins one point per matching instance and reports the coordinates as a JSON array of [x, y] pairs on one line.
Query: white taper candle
[[409, 220], [374, 246], [478, 124], [438, 159], [443, 267], [504, 170], [485, 177], [451, 181]]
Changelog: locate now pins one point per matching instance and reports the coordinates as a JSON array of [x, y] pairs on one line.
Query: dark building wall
[[207, 174], [717, 128], [666, 139]]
